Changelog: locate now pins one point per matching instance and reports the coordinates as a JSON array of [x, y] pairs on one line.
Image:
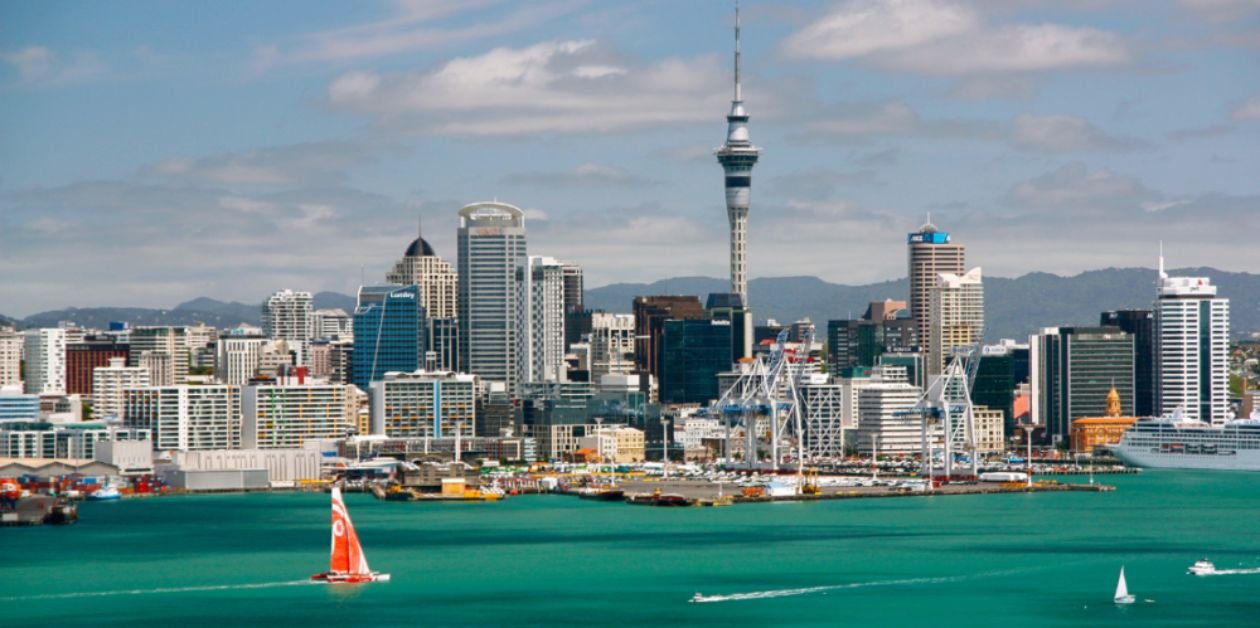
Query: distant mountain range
[[1014, 308]]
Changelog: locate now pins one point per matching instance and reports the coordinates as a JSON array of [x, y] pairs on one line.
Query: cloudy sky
[[152, 152]]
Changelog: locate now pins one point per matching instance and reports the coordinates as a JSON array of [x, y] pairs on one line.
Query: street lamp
[[665, 446]]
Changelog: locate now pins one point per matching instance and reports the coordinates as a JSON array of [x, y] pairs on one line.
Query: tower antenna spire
[[738, 92], [1162, 274]]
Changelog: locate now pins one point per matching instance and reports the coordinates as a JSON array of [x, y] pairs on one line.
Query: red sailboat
[[348, 564]]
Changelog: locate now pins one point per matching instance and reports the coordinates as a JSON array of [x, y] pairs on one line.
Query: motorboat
[[1202, 568]]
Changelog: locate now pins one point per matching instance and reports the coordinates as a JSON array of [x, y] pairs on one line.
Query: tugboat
[[347, 564]]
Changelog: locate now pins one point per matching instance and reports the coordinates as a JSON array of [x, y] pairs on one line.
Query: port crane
[[945, 410], [766, 399]]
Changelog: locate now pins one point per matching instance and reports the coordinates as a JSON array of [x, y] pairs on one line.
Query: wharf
[[697, 491]]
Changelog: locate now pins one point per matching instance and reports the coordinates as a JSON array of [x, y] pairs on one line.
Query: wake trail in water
[[1233, 572], [761, 595], [214, 587]]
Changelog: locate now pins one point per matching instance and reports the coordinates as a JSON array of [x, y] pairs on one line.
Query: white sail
[[1122, 590]]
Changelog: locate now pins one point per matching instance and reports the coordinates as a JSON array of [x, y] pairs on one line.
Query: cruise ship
[[1170, 442]]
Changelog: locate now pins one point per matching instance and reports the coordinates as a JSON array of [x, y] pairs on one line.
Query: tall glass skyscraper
[[389, 333], [492, 263]]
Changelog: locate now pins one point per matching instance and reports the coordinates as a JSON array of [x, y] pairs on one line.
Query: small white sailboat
[[1122, 591], [347, 563]]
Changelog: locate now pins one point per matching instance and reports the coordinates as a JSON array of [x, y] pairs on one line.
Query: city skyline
[[145, 168]]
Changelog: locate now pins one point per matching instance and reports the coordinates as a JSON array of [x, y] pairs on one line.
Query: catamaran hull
[[345, 578]]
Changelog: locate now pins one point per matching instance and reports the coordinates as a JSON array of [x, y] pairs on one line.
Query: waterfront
[[1029, 559]]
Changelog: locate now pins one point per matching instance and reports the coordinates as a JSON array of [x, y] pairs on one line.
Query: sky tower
[[737, 157]]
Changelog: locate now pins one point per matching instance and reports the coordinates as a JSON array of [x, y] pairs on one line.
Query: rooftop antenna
[[738, 93], [1162, 274]]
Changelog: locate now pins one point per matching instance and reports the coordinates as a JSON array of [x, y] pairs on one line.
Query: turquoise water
[[1026, 560]]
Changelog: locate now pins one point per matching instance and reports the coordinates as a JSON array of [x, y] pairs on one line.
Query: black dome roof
[[419, 248]]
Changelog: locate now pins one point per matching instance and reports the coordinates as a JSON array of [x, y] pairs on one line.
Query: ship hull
[[1241, 461]]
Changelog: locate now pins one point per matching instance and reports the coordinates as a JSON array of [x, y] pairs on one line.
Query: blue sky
[[154, 152]]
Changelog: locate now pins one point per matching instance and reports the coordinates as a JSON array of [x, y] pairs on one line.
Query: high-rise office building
[[110, 383], [45, 371], [541, 321], [737, 157], [930, 253], [882, 427], [286, 315], [10, 357], [955, 317], [574, 295], [1075, 368], [731, 307], [1192, 348], [389, 333], [439, 285], [492, 258], [83, 357], [650, 314], [860, 343], [168, 350], [693, 352], [1141, 325]]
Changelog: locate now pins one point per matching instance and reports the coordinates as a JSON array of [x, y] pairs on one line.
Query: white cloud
[[1059, 133], [41, 65], [584, 176], [412, 27], [32, 62], [545, 88], [319, 163], [1074, 187], [942, 38], [1249, 110]]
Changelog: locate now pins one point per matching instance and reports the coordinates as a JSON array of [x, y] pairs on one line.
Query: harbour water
[[1046, 559]]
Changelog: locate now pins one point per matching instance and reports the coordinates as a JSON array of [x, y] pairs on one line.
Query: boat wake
[[1232, 572], [119, 592], [762, 595]]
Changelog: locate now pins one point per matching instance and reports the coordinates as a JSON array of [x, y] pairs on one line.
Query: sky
[[153, 152]]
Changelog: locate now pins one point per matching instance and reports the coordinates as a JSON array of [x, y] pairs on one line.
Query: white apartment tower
[[334, 323], [438, 282], [541, 317], [286, 315], [10, 357], [612, 344], [238, 358], [492, 261], [956, 317], [110, 383], [1191, 348], [45, 361], [186, 418]]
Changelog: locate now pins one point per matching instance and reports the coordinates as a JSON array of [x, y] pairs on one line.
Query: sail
[[1122, 589], [347, 555]]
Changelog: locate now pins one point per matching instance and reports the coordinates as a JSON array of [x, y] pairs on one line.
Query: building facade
[[1077, 367], [389, 333], [82, 358], [541, 321], [612, 344], [955, 317], [883, 427], [10, 357], [930, 253], [1192, 349], [693, 352], [110, 383], [169, 350], [45, 351], [424, 404], [278, 416], [438, 282], [286, 315], [650, 314], [186, 418], [1141, 325], [492, 257]]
